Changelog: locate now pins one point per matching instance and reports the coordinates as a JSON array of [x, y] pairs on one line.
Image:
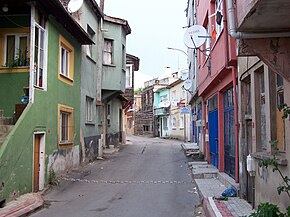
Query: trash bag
[[229, 192]]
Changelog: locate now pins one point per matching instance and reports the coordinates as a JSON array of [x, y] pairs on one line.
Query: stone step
[[4, 131], [202, 170], [6, 120]]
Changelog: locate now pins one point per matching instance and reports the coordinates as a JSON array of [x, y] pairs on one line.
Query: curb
[[207, 208], [19, 208]]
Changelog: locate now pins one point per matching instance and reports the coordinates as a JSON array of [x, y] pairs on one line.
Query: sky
[[156, 25]]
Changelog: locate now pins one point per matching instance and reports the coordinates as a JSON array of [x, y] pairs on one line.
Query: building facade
[[43, 59]]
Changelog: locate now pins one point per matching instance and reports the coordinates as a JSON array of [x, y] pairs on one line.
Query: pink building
[[217, 84]]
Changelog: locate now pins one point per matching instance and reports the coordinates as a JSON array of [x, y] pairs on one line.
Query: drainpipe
[[244, 35], [102, 5]]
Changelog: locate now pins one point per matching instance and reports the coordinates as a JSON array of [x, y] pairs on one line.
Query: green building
[[40, 62]]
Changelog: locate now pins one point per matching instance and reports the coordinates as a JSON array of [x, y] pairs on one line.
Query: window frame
[[17, 36], [69, 76], [219, 28], [181, 122], [37, 81], [69, 111], [89, 109], [109, 52]]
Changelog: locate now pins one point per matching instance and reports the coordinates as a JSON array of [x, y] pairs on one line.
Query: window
[[91, 33], [16, 50], [66, 61], [181, 124], [123, 56], [173, 123], [108, 51], [263, 120], [39, 56], [165, 124], [219, 22], [280, 130], [164, 98], [129, 76], [89, 109], [109, 114], [66, 124]]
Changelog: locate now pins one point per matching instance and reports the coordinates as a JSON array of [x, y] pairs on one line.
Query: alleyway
[[148, 177]]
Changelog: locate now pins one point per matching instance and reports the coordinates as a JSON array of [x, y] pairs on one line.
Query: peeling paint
[[63, 160]]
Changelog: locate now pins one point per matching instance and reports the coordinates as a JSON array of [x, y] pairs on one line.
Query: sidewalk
[[211, 184], [22, 206]]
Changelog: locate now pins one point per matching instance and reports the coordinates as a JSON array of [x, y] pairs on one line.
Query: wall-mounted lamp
[[5, 8]]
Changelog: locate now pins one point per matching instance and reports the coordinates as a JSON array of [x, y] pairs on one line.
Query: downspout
[[244, 35]]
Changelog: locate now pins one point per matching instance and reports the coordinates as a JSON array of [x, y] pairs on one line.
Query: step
[[202, 170], [6, 120], [5, 129]]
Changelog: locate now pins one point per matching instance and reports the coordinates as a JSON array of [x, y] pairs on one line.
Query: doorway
[[39, 162]]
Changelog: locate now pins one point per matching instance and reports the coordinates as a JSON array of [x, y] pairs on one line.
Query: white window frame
[[16, 47], [219, 7], [40, 63], [64, 69], [89, 109], [110, 53], [89, 47], [129, 75], [181, 122], [174, 123]]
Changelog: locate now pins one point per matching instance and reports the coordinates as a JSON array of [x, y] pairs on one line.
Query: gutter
[[246, 35]]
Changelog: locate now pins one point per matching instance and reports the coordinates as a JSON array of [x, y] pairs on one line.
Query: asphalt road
[[148, 177]]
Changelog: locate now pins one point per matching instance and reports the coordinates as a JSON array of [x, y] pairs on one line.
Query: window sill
[[66, 78], [91, 59], [173, 128], [281, 158], [109, 65], [181, 128], [67, 144]]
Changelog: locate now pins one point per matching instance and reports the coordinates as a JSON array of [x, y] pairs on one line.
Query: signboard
[[184, 110], [181, 104]]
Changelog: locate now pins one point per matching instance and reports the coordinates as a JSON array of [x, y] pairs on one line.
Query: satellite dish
[[187, 84], [74, 5], [184, 75], [195, 36]]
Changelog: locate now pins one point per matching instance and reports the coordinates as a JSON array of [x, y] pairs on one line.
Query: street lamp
[[184, 116], [171, 48]]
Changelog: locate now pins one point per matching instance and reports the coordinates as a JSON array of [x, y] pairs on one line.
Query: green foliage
[[286, 110], [138, 91], [52, 178], [268, 210]]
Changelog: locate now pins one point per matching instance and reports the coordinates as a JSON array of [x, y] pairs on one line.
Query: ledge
[[281, 158]]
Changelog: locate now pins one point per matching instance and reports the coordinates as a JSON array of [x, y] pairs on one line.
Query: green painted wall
[[114, 75], [16, 153], [11, 90]]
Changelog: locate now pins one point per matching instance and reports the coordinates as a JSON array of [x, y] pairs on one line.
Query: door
[[213, 130], [39, 162], [120, 124], [229, 133]]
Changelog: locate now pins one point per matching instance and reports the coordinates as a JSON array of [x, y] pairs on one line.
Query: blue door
[[229, 133], [213, 130]]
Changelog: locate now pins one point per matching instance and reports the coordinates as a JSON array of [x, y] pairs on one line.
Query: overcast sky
[[156, 25]]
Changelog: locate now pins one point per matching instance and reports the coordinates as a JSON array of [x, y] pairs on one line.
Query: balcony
[[263, 15]]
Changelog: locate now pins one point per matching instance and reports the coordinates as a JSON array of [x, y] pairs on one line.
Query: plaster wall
[[113, 77], [16, 153]]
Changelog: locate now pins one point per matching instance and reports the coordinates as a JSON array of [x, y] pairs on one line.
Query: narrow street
[[148, 177]]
